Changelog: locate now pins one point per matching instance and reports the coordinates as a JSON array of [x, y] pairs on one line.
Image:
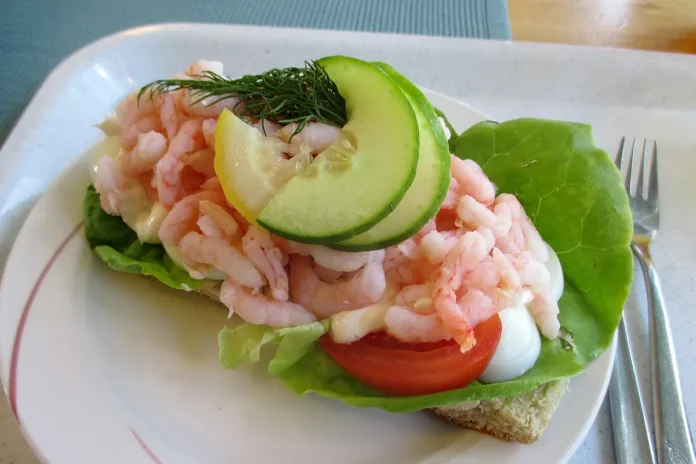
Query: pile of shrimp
[[478, 256]]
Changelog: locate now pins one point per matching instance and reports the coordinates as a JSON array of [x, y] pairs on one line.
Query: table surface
[[660, 25]]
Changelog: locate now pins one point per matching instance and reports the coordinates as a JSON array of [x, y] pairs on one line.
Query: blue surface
[[36, 34]]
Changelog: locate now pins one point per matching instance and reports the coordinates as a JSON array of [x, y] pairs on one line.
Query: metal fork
[[672, 436]]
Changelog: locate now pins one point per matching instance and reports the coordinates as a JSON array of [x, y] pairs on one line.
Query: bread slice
[[522, 418]]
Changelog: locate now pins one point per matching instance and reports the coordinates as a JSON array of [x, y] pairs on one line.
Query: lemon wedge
[[250, 165]]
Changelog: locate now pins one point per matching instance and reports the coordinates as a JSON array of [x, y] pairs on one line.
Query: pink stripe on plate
[[14, 359]]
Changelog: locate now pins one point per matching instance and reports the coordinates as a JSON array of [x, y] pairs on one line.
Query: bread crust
[[521, 418]]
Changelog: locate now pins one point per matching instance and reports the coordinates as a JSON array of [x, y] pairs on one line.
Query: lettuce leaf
[[242, 344], [118, 245], [574, 195]]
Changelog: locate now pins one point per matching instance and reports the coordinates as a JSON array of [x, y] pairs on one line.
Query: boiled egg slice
[[518, 349]]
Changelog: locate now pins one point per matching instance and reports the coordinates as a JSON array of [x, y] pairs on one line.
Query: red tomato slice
[[407, 369]]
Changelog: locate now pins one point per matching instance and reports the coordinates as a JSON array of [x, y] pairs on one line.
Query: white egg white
[[518, 348]]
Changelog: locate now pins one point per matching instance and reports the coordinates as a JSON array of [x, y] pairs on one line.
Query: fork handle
[[672, 436], [632, 441]]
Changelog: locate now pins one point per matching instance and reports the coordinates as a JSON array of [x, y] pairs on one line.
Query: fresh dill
[[283, 96]]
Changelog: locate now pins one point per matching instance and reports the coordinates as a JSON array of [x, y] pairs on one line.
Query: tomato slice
[[407, 369]]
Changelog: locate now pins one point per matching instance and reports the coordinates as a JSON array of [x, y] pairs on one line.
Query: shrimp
[[533, 273], [503, 220], [452, 197], [259, 309], [544, 311], [184, 215], [435, 245], [323, 299], [513, 242], [485, 276], [343, 261], [408, 326], [509, 277], [416, 297], [318, 136], [327, 275], [259, 248], [201, 161], [200, 66], [168, 116], [533, 241], [216, 221], [472, 180], [410, 249], [221, 255], [469, 251], [149, 149], [109, 182], [131, 109], [208, 127], [169, 169], [474, 214], [267, 128], [476, 307]]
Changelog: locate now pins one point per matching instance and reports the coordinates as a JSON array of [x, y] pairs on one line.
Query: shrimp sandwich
[[394, 264]]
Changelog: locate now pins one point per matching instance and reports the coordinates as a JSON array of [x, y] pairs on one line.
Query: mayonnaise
[[349, 326], [137, 210]]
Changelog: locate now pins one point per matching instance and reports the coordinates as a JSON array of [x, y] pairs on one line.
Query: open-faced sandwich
[[394, 263]]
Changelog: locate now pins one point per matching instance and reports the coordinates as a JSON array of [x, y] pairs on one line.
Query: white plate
[[77, 408]]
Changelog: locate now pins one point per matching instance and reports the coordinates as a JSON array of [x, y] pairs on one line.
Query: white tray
[[619, 92]]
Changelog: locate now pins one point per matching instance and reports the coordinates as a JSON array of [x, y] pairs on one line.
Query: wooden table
[[663, 25]]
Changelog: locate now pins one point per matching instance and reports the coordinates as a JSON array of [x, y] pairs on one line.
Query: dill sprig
[[283, 96]]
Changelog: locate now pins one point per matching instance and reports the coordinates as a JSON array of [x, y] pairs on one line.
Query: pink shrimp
[[485, 276], [452, 198], [149, 149], [201, 161], [208, 127], [544, 311], [469, 251], [416, 297], [268, 259], [474, 214], [316, 135], [533, 274], [408, 326], [509, 278], [169, 170], [109, 182], [472, 180], [363, 289], [476, 307], [184, 215], [168, 115], [435, 245], [221, 255], [259, 309], [216, 221]]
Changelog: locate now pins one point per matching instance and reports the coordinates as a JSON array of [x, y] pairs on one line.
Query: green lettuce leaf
[[242, 344], [573, 193], [118, 245]]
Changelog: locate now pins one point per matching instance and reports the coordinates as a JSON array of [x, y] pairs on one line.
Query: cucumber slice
[[428, 190], [362, 177]]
